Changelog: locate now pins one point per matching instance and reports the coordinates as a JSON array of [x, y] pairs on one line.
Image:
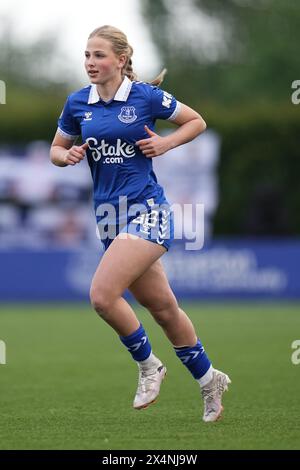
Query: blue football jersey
[[111, 130]]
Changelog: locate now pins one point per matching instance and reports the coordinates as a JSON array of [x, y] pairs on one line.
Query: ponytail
[[159, 79]]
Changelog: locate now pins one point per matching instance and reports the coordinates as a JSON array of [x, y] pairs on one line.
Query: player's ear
[[122, 60]]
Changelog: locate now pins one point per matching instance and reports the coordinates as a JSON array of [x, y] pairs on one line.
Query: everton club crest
[[127, 114]]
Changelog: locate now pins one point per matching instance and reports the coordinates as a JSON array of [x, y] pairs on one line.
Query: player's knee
[[101, 301]]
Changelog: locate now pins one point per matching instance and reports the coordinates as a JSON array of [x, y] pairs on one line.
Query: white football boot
[[150, 379], [212, 396]]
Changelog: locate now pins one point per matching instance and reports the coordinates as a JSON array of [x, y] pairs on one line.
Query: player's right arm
[[64, 153]]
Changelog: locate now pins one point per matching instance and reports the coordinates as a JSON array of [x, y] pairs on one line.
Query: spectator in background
[[33, 182]]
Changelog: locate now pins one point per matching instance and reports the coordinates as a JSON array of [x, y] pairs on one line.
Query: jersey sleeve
[[164, 105], [68, 126]]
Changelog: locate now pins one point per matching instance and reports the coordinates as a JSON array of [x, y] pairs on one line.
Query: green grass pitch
[[69, 382]]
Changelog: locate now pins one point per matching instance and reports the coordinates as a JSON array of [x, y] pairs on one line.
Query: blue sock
[[195, 359], [138, 344]]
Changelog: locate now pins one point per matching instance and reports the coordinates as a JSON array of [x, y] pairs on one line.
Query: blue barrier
[[227, 268]]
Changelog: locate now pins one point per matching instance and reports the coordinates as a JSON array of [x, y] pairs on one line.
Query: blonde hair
[[120, 46]]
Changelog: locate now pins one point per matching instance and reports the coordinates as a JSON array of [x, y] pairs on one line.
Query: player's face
[[101, 63]]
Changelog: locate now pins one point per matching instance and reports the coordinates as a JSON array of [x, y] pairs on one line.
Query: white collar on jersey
[[121, 95]]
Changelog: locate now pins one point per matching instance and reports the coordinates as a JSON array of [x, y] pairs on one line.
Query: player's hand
[[155, 145], [75, 154]]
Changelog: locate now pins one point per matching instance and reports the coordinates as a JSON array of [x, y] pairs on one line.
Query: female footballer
[[115, 116]]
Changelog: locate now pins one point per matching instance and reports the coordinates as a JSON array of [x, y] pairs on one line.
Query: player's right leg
[[126, 260]]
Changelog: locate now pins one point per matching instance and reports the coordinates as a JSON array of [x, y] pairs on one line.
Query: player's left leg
[[153, 291]]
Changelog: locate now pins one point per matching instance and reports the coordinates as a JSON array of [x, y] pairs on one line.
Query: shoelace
[[144, 380], [208, 394]]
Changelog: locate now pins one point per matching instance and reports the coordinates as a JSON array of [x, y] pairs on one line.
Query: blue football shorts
[[155, 225]]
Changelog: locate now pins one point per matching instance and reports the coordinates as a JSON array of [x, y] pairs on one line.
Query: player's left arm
[[190, 124]]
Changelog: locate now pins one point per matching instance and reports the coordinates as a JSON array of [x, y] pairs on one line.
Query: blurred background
[[237, 63]]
